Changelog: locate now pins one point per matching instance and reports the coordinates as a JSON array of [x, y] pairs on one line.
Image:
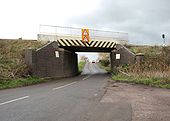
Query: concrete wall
[[126, 56], [44, 63]]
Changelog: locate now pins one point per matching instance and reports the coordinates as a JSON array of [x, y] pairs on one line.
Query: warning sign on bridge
[[85, 35]]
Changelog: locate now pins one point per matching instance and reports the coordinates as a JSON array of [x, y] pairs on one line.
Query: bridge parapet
[[67, 36]]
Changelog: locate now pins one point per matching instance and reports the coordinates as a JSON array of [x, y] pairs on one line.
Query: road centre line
[[87, 77], [64, 85], [14, 100]]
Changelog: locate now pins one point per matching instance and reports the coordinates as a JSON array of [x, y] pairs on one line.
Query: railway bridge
[[58, 57]]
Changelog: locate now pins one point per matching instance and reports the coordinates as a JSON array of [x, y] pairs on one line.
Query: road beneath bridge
[[86, 97]]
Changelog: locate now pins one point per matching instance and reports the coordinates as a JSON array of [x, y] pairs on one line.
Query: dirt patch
[[148, 103]]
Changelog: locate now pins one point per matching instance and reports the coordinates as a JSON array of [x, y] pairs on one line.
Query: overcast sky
[[143, 20]]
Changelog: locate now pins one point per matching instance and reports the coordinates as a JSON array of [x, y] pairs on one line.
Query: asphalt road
[[71, 99], [92, 68]]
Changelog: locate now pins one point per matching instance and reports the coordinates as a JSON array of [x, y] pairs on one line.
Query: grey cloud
[[144, 20]]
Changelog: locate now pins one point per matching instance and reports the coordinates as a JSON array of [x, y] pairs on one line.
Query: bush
[[81, 65], [104, 62], [154, 70]]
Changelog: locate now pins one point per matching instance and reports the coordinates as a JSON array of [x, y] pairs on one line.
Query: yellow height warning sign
[[85, 35]]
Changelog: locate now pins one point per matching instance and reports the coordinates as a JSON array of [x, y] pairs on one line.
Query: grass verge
[[20, 82], [81, 65], [162, 82], [107, 68]]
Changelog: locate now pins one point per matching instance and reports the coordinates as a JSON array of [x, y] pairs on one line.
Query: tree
[[84, 58], [104, 56], [104, 59]]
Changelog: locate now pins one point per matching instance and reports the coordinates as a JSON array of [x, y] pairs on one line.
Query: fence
[[76, 32]]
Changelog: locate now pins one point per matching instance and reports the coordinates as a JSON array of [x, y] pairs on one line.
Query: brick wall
[[126, 56], [44, 63]]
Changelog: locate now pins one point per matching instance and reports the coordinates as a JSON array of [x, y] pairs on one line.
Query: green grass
[[107, 68], [20, 82], [81, 65], [12, 64], [161, 82]]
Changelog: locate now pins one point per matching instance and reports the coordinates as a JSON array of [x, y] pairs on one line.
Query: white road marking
[[86, 77], [14, 100], [65, 85]]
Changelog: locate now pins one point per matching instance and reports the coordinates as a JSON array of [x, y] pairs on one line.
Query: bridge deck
[[76, 41]]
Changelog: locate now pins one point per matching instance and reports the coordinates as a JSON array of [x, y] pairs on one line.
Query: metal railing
[[76, 32]]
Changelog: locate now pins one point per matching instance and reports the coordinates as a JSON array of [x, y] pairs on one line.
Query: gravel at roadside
[[148, 103]]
